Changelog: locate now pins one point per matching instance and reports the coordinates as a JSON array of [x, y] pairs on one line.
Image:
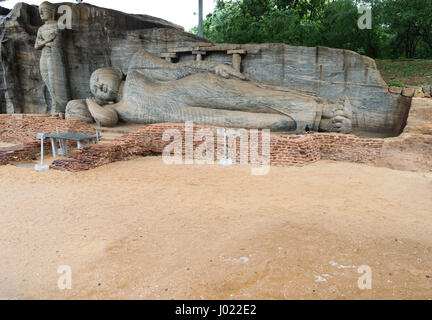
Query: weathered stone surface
[[328, 73], [408, 92], [395, 90], [418, 93], [103, 38], [77, 109], [420, 116], [413, 92], [99, 38], [53, 65], [208, 93]]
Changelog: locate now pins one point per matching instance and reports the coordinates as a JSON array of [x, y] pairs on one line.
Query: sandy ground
[[144, 230]]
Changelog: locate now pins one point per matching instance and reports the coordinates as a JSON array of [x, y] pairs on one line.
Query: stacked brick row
[[340, 147], [294, 150], [145, 141], [18, 153], [285, 150], [23, 128], [97, 155]]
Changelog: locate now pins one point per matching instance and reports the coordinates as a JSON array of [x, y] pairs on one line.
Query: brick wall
[[285, 150], [342, 147], [22, 129], [18, 153]]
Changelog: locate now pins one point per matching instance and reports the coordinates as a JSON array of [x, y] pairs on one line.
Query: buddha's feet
[[338, 118], [340, 122]]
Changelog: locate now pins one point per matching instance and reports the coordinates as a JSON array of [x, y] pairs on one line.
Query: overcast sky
[[180, 12]]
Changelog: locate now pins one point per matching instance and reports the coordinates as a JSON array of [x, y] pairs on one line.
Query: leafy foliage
[[401, 28]]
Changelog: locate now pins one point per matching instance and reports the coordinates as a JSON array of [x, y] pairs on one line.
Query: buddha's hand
[[52, 36], [104, 116], [92, 101], [40, 44], [227, 72]]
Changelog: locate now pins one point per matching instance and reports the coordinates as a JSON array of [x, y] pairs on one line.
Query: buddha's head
[[105, 83], [47, 11]]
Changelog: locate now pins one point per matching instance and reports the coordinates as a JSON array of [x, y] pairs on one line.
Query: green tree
[[409, 23], [400, 27], [257, 21]]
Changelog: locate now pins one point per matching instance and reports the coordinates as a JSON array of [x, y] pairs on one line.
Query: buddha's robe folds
[[157, 91]]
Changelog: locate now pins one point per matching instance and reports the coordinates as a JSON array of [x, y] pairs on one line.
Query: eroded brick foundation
[[285, 150], [21, 129]]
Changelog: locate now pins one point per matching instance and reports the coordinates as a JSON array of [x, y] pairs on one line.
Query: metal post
[[65, 149], [200, 18], [61, 150], [54, 147], [42, 151], [41, 166]]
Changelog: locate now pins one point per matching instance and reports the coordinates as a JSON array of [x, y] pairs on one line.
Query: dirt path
[[144, 230]]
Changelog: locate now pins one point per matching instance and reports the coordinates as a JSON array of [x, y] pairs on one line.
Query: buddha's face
[[105, 86], [46, 12]]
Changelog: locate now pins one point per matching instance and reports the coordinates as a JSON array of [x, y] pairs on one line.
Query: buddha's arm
[[161, 70], [41, 42], [219, 69]]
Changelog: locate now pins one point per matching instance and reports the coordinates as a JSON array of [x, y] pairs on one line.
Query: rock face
[[99, 38], [328, 73], [420, 116], [106, 38], [53, 64], [206, 93]]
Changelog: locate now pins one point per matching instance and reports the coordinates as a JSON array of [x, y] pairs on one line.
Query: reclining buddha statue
[[206, 93]]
